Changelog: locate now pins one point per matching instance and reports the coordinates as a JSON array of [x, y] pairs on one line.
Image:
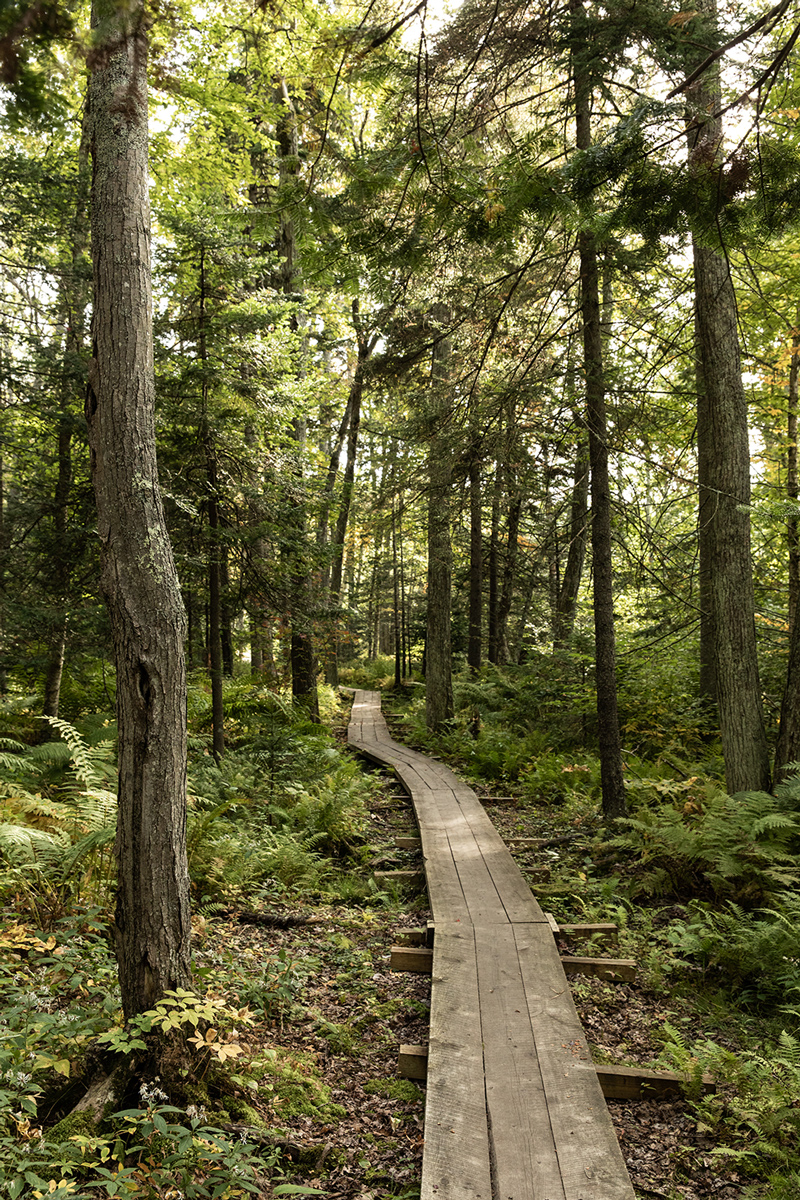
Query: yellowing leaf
[[225, 1050]]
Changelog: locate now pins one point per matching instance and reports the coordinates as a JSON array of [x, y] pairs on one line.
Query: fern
[[754, 955], [54, 850], [755, 1116], [91, 765], [741, 848]]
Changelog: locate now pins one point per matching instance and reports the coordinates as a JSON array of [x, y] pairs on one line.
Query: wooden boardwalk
[[514, 1110]]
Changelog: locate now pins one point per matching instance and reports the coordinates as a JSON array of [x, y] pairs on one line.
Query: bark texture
[[726, 503], [439, 705], [724, 469], [612, 781], [475, 642], [138, 573], [567, 598], [302, 654]]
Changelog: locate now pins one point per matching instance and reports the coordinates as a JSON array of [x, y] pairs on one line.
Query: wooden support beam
[[416, 959], [637, 1083], [408, 843], [524, 843], [617, 1083], [412, 1062], [605, 930], [411, 937], [616, 969]]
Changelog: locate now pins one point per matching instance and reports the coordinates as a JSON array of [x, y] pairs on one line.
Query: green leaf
[[296, 1189]]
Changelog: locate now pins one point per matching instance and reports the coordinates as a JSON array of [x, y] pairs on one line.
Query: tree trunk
[[792, 489], [705, 512], [75, 300], [509, 575], [724, 447], [494, 563], [567, 599], [787, 748], [439, 706], [610, 745], [215, 551], [398, 638], [365, 347], [475, 638], [138, 570], [301, 653], [214, 599], [256, 645]]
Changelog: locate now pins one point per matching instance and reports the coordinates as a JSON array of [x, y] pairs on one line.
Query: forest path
[[514, 1110]]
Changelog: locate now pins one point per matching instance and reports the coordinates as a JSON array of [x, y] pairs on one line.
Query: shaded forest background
[[476, 363]]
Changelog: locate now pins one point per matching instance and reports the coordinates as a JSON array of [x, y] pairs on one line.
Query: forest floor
[[362, 1137]]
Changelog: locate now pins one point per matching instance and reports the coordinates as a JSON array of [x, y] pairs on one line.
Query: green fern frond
[[21, 844], [33, 807], [91, 764], [77, 854], [49, 754]]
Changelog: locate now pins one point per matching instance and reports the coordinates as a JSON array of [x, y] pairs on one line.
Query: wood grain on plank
[[588, 1151], [455, 1164], [526, 1164]]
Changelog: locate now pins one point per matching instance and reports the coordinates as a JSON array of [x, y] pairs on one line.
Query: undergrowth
[[282, 817]]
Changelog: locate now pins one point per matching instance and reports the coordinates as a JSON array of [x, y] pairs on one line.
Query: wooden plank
[[477, 881], [512, 887], [617, 1083], [618, 970], [408, 879], [445, 893], [524, 1158], [412, 1062], [589, 1156], [418, 960], [411, 937], [637, 1083], [455, 1165], [408, 843]]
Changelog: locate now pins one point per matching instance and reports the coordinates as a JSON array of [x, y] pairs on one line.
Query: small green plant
[[181, 1011], [272, 992], [755, 1115], [154, 1151]]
